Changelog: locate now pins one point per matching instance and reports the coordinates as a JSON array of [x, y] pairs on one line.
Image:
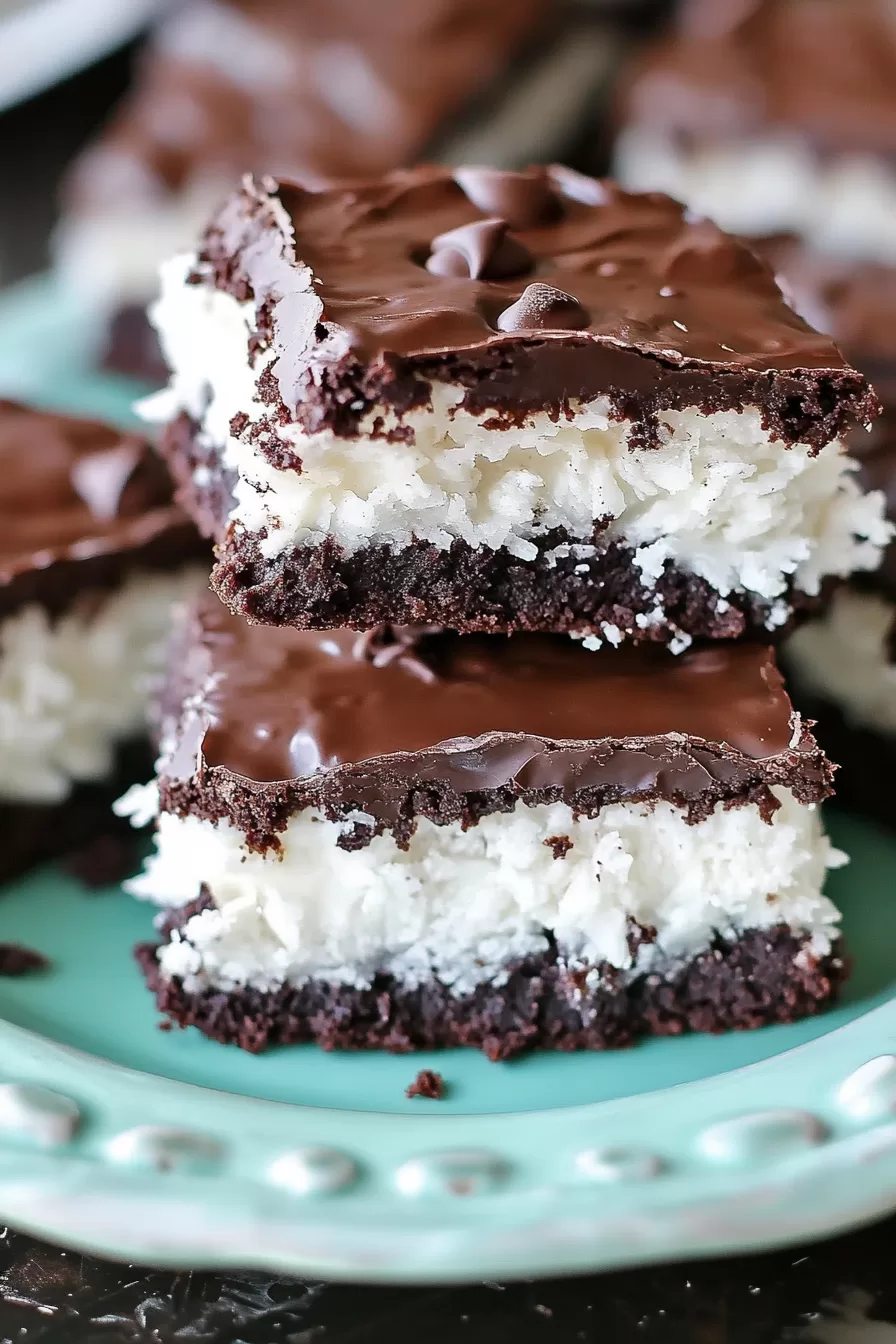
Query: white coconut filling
[[462, 904], [72, 689], [775, 185], [843, 658], [717, 497]]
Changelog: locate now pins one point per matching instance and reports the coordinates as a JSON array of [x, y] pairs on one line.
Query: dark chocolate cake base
[[733, 986], [464, 588], [74, 829]]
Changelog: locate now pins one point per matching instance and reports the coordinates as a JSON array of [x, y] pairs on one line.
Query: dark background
[[824, 1293]]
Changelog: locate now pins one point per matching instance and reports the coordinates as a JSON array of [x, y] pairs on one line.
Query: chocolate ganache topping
[[618, 254], [334, 716], [530, 289], [72, 490]]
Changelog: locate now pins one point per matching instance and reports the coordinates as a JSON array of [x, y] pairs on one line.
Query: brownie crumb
[[427, 1084], [106, 860], [559, 844], [165, 1025], [18, 960]]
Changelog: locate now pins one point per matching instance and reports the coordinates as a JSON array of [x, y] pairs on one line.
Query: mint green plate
[[119, 1138]]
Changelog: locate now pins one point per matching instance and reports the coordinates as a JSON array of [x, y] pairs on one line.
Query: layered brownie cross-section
[[505, 401], [93, 553], [408, 839]]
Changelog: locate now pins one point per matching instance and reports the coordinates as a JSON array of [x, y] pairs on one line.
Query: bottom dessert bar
[[410, 839]]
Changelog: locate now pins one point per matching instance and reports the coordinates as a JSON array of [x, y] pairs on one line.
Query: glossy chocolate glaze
[[821, 70], [75, 490], [577, 290], [365, 720], [644, 276]]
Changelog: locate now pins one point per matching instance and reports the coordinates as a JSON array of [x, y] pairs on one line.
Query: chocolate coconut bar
[[408, 839], [770, 116], [505, 401], [316, 91], [92, 556]]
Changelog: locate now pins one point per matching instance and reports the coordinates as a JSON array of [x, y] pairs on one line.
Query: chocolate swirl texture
[[439, 725], [578, 290]]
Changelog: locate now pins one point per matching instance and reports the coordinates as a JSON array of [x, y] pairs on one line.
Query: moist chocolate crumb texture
[[505, 401], [411, 838], [771, 116], [427, 1084], [93, 552]]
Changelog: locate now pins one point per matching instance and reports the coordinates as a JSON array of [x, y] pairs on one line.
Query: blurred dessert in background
[[776, 118], [771, 116], [94, 553], [844, 665], [311, 91]]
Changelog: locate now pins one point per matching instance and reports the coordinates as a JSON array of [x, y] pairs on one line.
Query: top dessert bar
[[771, 115], [505, 401]]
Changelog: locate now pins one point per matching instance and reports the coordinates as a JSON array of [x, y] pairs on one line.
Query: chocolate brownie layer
[[464, 588], [467, 589], [764, 976]]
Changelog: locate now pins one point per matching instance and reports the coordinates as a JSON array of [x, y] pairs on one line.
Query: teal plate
[[121, 1139]]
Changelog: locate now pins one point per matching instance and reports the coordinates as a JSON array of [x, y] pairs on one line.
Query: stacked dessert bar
[[511, 478], [775, 117]]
